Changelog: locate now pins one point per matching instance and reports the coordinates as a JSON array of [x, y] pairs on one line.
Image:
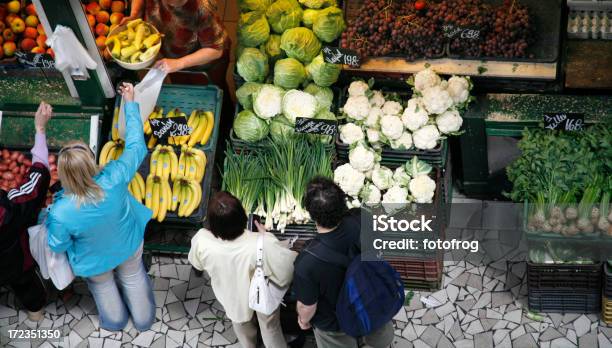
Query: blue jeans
[[122, 292]]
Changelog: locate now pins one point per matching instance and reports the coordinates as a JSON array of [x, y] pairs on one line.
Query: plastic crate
[[564, 301], [422, 285], [564, 276], [608, 280], [415, 269], [188, 98]]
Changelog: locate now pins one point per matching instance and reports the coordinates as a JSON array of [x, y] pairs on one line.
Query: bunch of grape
[[512, 32], [370, 33], [472, 14], [415, 34]]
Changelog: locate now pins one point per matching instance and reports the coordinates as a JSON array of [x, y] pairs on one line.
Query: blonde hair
[[76, 168]]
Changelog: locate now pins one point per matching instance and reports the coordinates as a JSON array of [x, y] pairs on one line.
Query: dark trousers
[[30, 290]]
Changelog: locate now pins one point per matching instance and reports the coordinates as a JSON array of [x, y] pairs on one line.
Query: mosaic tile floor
[[480, 306]]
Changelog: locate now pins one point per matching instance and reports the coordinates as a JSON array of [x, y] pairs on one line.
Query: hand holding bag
[[264, 295]]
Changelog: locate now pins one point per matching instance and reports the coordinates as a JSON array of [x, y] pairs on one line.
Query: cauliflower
[[403, 143], [392, 108], [422, 188], [351, 133], [396, 194], [373, 135], [349, 179], [436, 100], [357, 88], [370, 194], [459, 89], [355, 203], [357, 107], [377, 99], [425, 79], [299, 104], [373, 117], [449, 121], [415, 116], [382, 177], [268, 101], [391, 127], [400, 177], [362, 158], [426, 138]]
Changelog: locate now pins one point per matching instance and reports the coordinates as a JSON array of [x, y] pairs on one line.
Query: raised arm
[[40, 152]]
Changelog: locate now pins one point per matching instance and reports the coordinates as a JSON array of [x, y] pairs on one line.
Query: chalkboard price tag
[[336, 55], [169, 127], [313, 126], [569, 121], [452, 31], [35, 60]]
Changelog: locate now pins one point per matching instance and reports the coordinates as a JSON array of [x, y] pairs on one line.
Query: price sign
[[312, 126], [35, 60], [169, 127], [569, 121], [451, 31], [336, 55]]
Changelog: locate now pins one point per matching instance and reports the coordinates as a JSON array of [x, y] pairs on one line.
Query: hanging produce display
[[20, 30], [386, 120]]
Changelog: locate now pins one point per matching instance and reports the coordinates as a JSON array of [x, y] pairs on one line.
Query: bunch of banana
[[112, 150], [158, 112], [139, 42], [158, 196], [192, 163], [186, 196], [164, 162], [202, 124], [137, 187], [115, 125], [177, 140]]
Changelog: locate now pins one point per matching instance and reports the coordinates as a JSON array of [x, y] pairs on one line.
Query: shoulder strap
[[319, 247], [260, 240]]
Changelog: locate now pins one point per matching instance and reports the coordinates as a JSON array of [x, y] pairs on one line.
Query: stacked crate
[[606, 311]]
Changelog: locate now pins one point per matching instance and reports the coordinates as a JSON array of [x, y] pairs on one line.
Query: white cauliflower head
[[351, 133], [449, 121], [377, 99], [426, 138], [400, 177], [422, 188], [382, 177], [425, 79], [349, 179], [354, 203], [459, 89], [267, 103], [402, 143], [415, 116], [392, 108], [362, 158], [297, 103], [396, 194], [373, 135], [436, 100], [357, 107], [391, 127], [370, 194], [373, 117], [357, 88]]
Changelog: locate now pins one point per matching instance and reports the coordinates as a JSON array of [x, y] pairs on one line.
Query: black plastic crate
[[564, 276], [608, 281], [564, 301]]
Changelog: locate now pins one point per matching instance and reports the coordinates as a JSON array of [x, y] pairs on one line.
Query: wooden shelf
[[589, 64]]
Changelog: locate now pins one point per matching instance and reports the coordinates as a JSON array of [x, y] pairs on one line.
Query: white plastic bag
[[70, 55], [264, 295], [145, 94], [52, 265]]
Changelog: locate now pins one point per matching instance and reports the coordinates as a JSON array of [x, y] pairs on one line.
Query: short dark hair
[[226, 216], [325, 202]]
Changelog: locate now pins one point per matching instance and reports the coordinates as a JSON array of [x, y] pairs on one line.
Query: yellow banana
[[140, 182], [186, 198], [119, 151], [165, 164], [111, 154], [196, 194], [159, 168], [197, 133], [156, 196], [104, 152], [152, 142], [153, 162], [210, 124], [149, 191], [175, 194], [191, 169], [115, 125], [163, 200], [201, 160], [173, 163], [182, 163]]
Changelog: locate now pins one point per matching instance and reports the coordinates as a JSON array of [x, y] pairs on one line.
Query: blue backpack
[[371, 295]]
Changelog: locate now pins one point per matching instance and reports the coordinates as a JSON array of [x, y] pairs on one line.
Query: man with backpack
[[345, 301]]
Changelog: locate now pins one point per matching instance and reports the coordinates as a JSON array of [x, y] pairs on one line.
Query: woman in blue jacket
[[101, 226]]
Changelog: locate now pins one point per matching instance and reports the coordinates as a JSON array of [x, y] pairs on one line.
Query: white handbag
[[264, 295], [52, 265]]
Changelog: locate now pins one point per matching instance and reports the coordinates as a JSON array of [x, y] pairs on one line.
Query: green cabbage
[[322, 73], [329, 24], [280, 129], [301, 44], [283, 15], [245, 92], [253, 29], [252, 65], [318, 3], [325, 139], [323, 95], [309, 17], [254, 5], [272, 47], [249, 127], [289, 73]]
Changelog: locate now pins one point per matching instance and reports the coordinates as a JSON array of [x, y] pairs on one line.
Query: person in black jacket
[[19, 209]]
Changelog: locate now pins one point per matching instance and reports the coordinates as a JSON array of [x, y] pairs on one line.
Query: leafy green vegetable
[[301, 44], [329, 24], [252, 65], [254, 5], [322, 73], [272, 48], [315, 4], [249, 127], [253, 29], [289, 73], [323, 95], [283, 15], [245, 92], [309, 17], [281, 129]]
